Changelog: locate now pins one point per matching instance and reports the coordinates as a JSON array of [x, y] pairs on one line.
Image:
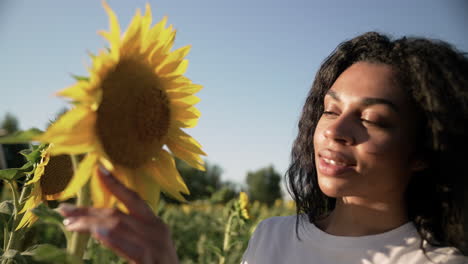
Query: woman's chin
[[334, 188]]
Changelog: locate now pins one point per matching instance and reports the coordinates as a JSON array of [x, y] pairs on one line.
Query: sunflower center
[[57, 174], [133, 117]]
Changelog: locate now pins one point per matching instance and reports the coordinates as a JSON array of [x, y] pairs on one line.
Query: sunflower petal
[[114, 33], [177, 95], [189, 123], [82, 133], [131, 42], [185, 141], [187, 113], [76, 92], [100, 196], [65, 123], [173, 60], [81, 177], [191, 158], [148, 189], [174, 69], [164, 172], [72, 149], [145, 25], [35, 198]]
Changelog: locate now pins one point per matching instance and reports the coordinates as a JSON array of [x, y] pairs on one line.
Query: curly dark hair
[[435, 76]]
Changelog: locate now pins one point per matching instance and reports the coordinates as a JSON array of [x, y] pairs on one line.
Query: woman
[[377, 168]]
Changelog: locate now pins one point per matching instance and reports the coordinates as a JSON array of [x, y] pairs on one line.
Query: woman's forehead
[[368, 80]]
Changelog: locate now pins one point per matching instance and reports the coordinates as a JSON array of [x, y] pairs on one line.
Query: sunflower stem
[[13, 240], [79, 241], [14, 191], [227, 238]]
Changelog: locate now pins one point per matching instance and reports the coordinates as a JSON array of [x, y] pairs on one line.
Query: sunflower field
[[128, 117], [204, 231]]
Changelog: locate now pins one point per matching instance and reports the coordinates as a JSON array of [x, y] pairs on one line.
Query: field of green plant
[[203, 232]]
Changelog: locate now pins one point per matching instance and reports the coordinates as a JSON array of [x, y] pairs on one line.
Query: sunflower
[[51, 176], [130, 113], [244, 205]]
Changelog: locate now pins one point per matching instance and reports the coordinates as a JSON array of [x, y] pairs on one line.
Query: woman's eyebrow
[[368, 101]]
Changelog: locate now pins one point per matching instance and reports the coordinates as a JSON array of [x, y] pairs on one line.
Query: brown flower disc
[[133, 117], [57, 174]]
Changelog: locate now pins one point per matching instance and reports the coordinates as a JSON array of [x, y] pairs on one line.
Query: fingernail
[[66, 207], [69, 221], [103, 170]]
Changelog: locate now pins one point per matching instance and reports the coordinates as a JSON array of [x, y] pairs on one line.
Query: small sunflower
[[51, 176], [244, 205], [129, 112]]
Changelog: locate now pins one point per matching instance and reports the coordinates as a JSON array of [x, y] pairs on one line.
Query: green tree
[[202, 184], [264, 185], [11, 156], [227, 192], [9, 123]]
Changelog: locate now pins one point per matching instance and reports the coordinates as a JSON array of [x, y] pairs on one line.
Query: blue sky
[[256, 59]]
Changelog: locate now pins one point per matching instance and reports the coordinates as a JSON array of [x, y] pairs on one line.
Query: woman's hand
[[140, 236]]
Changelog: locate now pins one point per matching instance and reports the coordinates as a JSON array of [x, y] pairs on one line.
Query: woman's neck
[[354, 216]]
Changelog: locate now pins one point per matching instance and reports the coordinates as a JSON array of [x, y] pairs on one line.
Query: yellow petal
[[72, 149], [82, 133], [126, 177], [131, 42], [173, 61], [186, 123], [155, 33], [76, 92], [174, 69], [185, 113], [191, 158], [65, 124], [186, 101], [35, 198], [85, 169], [161, 49], [164, 172], [114, 35], [100, 196], [185, 141], [145, 25], [147, 188]]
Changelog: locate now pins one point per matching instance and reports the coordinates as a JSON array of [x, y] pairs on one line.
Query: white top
[[275, 242]]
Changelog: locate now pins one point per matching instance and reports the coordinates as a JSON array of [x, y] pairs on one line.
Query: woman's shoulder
[[283, 227], [277, 223]]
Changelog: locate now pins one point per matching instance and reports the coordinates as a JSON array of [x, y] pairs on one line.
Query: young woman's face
[[364, 140]]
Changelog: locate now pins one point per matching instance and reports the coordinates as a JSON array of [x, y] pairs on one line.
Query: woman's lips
[[334, 163]]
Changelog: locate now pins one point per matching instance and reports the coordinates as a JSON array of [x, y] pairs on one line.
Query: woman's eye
[[374, 123]]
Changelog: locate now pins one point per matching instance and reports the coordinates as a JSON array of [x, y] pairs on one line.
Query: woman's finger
[[135, 205], [113, 233], [145, 229]]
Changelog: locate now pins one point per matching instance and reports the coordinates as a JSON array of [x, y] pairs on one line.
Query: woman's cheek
[[382, 146]]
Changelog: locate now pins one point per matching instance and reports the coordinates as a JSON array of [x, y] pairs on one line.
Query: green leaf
[[46, 253], [8, 174], [80, 78], [47, 214], [6, 212], [6, 208], [33, 155], [15, 173], [14, 256], [21, 136]]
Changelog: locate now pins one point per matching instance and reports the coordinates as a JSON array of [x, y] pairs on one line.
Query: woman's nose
[[340, 130]]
